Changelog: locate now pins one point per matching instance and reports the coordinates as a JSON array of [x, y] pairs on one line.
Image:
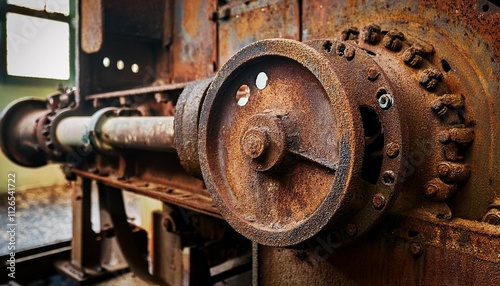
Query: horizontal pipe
[[73, 131], [144, 133]]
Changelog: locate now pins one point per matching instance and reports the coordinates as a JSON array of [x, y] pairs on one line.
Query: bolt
[[412, 58], [351, 33], [416, 248], [453, 172], [492, 216], [431, 190], [349, 53], [444, 169], [351, 229], [385, 101], [372, 34], [430, 78], [393, 40], [255, 142], [444, 137], [438, 107], [392, 149], [373, 73], [378, 201]]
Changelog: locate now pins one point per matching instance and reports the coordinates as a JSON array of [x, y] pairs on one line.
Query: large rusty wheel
[[282, 141]]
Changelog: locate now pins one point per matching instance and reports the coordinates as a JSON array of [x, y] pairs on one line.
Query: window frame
[[5, 78]]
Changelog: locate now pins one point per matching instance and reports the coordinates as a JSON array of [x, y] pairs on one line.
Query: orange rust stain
[[191, 17]]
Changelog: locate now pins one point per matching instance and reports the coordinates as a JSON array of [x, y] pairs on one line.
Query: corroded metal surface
[[193, 52], [187, 112], [301, 124], [404, 250], [389, 109], [244, 22], [17, 124]]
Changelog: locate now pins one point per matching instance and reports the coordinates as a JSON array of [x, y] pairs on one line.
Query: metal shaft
[[145, 133]]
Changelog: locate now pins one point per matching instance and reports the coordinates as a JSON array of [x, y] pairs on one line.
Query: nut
[[385, 101], [351, 33], [372, 34], [393, 40], [430, 78]]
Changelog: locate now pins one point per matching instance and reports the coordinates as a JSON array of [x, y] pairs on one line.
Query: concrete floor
[[43, 216]]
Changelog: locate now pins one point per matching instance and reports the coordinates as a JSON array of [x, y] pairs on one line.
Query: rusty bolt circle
[[254, 142], [416, 248], [392, 149], [385, 101], [378, 201], [351, 229], [219, 159], [237, 195]]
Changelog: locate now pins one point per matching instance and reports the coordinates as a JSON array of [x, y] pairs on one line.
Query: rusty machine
[[311, 142]]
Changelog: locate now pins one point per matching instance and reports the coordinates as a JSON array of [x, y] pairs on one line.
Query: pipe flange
[[186, 119], [18, 139], [281, 141]]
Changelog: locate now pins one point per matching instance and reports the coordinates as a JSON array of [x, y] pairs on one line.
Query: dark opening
[[446, 66], [327, 46], [486, 8], [374, 144], [495, 2]]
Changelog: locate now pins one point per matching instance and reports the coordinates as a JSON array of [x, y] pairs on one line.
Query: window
[[37, 42], [51, 6]]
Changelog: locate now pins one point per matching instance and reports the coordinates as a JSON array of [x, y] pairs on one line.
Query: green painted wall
[[27, 177]]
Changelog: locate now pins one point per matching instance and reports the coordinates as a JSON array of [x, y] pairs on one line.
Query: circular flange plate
[[296, 89], [17, 132]]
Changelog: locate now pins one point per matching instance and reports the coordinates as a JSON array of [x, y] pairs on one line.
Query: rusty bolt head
[[255, 142], [444, 137], [378, 201], [350, 34], [416, 248], [372, 34], [431, 190], [373, 73], [444, 169], [430, 78], [393, 40], [492, 216], [393, 44], [351, 229], [411, 58], [349, 53], [439, 107], [392, 149]]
